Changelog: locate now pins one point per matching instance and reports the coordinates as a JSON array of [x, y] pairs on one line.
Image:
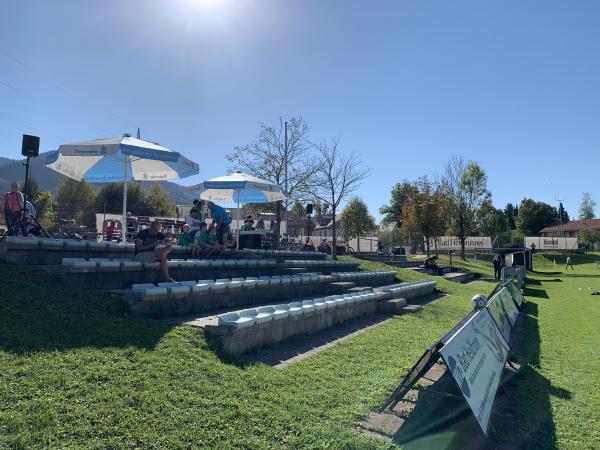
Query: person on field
[[152, 246], [497, 262], [569, 264]]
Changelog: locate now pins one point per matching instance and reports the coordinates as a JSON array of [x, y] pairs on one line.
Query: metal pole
[[123, 223], [286, 177], [238, 219]]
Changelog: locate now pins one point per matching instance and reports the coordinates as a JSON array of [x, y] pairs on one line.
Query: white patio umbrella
[[242, 188], [120, 159]]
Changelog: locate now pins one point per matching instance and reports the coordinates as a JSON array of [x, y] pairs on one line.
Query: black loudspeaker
[[309, 209], [30, 146]]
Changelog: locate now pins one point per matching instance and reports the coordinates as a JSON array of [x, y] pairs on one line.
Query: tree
[[493, 222], [44, 207], [356, 221], [76, 199], [336, 177], [465, 187], [266, 157], [158, 202], [510, 212], [424, 211], [110, 198], [587, 207], [534, 216], [392, 213], [563, 215]]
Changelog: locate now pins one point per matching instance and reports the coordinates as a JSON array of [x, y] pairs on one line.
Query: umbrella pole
[[238, 220], [124, 224]]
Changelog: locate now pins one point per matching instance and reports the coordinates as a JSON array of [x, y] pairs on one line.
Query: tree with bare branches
[[337, 176], [265, 158], [464, 185]]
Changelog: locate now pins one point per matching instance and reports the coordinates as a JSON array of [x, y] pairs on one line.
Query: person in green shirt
[[185, 240], [206, 242], [248, 225], [569, 263]]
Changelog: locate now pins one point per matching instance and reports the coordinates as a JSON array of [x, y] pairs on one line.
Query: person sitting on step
[[152, 246]]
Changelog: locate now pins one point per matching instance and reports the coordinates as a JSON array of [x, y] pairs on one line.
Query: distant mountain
[[13, 170]]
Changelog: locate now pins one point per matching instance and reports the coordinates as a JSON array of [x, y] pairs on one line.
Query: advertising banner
[[504, 311], [515, 292], [551, 243], [453, 243], [476, 355]]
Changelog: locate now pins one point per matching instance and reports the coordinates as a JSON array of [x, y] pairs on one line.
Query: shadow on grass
[[39, 313], [522, 414], [536, 293]]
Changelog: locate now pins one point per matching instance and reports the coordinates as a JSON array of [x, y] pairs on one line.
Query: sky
[[512, 85]]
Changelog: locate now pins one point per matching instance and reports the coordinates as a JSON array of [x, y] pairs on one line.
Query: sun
[[205, 5]]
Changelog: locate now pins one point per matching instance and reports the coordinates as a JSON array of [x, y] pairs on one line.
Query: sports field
[[78, 371]]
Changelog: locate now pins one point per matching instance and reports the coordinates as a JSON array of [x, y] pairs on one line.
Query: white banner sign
[[551, 243], [453, 243], [503, 310], [476, 355]]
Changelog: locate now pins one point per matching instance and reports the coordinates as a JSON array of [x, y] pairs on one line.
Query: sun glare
[[206, 5]]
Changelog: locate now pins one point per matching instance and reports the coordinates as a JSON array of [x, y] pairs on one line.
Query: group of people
[[19, 215]]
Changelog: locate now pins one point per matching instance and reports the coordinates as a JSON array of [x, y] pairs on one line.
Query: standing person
[[497, 267], [152, 246], [193, 222], [12, 204], [221, 219], [569, 263], [28, 216]]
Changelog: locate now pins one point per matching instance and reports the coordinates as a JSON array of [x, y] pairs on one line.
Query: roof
[[573, 226]]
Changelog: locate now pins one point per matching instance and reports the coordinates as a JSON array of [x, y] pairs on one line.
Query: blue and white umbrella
[[120, 159], [242, 188]]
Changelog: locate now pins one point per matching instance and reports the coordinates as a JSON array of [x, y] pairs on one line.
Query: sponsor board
[[476, 355], [453, 243], [515, 292], [551, 243], [503, 311]]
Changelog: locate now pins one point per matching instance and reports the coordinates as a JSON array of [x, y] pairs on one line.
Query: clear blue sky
[[512, 85]]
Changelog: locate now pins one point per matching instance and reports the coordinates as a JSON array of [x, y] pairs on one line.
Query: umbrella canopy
[[120, 159], [103, 161], [239, 187]]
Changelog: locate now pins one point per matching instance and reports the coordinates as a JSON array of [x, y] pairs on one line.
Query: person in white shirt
[[193, 221]]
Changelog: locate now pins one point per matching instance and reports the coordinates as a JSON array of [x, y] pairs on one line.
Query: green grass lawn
[[77, 370]]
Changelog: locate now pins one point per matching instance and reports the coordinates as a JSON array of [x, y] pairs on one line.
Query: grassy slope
[[77, 370]]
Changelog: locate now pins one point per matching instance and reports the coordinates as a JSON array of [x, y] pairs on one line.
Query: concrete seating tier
[[42, 251], [250, 328], [325, 266], [410, 290], [105, 273], [168, 299], [282, 254]]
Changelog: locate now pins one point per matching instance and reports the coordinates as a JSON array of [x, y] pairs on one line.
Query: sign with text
[[504, 311], [515, 292], [476, 355], [551, 243], [453, 243]]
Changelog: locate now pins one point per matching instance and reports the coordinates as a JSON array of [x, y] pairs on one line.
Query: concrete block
[[130, 266], [15, 242], [235, 321], [394, 305], [281, 312], [51, 244]]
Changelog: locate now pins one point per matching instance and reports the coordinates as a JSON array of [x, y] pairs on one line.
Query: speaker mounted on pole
[[30, 146], [309, 209]]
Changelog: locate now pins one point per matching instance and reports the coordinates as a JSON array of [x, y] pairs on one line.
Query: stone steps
[[170, 299], [238, 331], [103, 273]]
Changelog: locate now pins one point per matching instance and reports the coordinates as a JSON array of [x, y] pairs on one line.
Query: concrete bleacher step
[[105, 273], [169, 299], [238, 331]]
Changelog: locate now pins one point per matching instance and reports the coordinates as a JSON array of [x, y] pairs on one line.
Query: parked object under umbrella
[[239, 187], [120, 159]]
